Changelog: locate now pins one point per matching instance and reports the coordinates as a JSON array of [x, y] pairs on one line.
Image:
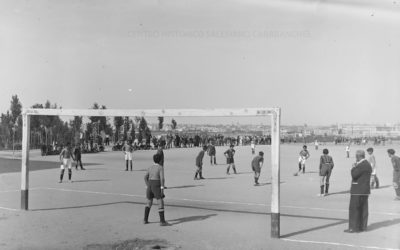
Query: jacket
[[361, 175]]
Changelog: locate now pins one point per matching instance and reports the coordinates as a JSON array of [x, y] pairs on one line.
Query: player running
[[65, 158], [304, 155], [372, 161], [325, 169], [199, 164], [128, 152], [154, 179], [229, 154], [256, 165]]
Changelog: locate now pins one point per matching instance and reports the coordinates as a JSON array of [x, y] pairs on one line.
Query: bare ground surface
[[103, 207]]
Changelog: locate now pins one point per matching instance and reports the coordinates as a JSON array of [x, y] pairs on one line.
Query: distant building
[[367, 130]]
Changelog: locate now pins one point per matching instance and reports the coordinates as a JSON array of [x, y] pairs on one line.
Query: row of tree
[[52, 129]]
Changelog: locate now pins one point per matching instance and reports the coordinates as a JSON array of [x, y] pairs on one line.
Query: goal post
[[274, 113]]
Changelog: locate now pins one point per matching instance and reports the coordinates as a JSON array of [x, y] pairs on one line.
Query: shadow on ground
[[14, 165], [138, 244], [335, 221], [348, 191]]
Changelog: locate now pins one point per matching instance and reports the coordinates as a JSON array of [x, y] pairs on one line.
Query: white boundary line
[[339, 244], [213, 201], [9, 209]]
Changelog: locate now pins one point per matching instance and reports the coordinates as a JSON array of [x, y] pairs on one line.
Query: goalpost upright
[[275, 114]]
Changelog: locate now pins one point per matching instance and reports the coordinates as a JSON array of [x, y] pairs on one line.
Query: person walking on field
[[396, 172], [154, 179], [304, 155], [212, 152], [325, 169], [78, 157], [199, 164], [256, 165], [229, 154], [359, 193], [128, 152], [372, 161], [65, 158]]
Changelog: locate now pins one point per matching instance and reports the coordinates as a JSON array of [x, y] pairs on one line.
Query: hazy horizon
[[322, 62]]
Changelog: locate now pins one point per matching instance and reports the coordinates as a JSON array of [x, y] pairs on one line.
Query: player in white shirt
[[128, 151], [253, 147], [303, 156], [372, 161], [348, 151]]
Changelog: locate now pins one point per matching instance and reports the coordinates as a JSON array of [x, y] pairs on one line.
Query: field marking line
[[339, 210], [9, 209], [213, 201], [339, 244], [91, 192], [9, 191]]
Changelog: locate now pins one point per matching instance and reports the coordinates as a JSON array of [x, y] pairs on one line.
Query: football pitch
[[103, 207]]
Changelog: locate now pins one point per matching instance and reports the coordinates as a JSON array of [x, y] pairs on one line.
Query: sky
[[322, 62]]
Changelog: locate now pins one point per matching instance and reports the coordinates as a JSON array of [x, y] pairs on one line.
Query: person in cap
[[372, 161], [256, 165], [229, 154], [325, 169], [154, 179], [396, 172], [199, 164], [359, 193]]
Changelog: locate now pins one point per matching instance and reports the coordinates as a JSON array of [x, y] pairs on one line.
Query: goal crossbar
[[275, 114]]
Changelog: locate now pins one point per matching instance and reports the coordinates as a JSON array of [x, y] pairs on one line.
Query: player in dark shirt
[[78, 157], [212, 152], [396, 172], [199, 164], [325, 169], [229, 154], [154, 179], [256, 165]]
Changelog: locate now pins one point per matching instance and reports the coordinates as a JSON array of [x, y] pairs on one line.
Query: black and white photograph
[[199, 125]]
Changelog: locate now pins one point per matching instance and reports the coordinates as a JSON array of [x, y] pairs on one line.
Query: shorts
[[154, 190], [128, 156], [230, 161], [256, 169], [66, 163], [302, 160], [325, 170]]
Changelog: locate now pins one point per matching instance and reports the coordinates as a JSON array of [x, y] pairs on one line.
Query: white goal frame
[[275, 114]]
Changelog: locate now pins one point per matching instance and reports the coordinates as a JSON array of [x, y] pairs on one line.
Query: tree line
[[46, 130]]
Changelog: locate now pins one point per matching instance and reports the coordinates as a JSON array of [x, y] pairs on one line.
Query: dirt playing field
[[103, 207]]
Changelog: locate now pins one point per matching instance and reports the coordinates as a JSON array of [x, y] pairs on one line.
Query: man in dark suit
[[360, 190]]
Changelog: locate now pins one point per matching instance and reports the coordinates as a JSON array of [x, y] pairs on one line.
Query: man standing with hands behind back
[[360, 190]]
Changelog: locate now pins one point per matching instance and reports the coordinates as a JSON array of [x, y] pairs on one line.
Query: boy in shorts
[[154, 179], [65, 157], [256, 165], [229, 154], [325, 169]]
